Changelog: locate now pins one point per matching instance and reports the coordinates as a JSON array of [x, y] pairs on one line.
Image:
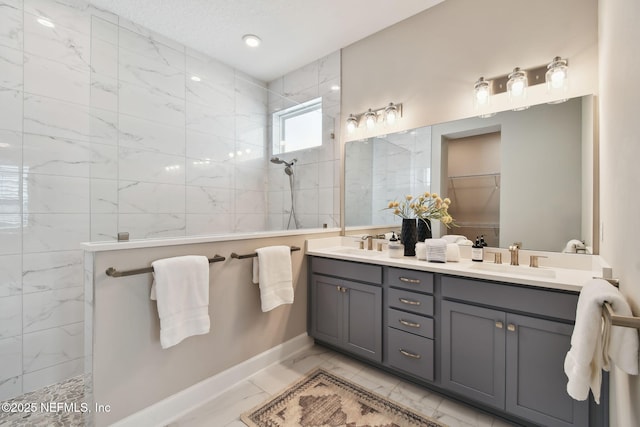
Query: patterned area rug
[[324, 399]]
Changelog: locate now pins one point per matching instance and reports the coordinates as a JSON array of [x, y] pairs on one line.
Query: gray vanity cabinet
[[346, 313], [513, 362]]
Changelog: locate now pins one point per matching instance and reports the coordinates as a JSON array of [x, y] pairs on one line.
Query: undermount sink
[[359, 252], [514, 269]]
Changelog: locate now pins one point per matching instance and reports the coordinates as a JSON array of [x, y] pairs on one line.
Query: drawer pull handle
[[511, 327], [411, 355], [410, 302], [407, 323], [499, 324], [407, 280]]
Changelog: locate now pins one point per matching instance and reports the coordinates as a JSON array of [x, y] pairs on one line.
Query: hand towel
[[585, 360], [272, 271], [181, 287], [436, 250]]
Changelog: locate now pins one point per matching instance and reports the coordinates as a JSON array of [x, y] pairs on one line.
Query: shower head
[[279, 161], [288, 170]]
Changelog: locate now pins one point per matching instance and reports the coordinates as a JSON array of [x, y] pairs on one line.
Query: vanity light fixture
[[371, 118], [517, 84], [481, 93], [251, 40], [557, 77]]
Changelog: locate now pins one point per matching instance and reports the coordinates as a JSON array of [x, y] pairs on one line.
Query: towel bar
[[253, 255], [111, 271], [617, 320]]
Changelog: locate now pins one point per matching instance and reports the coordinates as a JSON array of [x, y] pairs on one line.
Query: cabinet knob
[[407, 280], [410, 324], [499, 324], [408, 354], [408, 301], [511, 327]]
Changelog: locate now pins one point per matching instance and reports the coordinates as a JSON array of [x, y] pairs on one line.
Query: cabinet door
[[536, 383], [326, 309], [473, 352], [363, 314]]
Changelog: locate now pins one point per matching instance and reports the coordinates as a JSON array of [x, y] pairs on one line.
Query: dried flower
[[425, 207]]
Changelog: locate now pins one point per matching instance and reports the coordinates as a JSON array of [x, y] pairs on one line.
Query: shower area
[[108, 127]]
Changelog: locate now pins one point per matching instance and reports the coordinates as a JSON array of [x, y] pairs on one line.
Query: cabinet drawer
[[412, 280], [409, 322], [347, 270], [410, 353], [411, 301], [549, 303]]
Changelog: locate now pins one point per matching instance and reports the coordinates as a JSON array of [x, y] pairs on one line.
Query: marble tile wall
[[102, 129], [317, 170]]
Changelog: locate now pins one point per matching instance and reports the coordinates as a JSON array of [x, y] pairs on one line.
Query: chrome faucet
[[514, 250], [369, 238]]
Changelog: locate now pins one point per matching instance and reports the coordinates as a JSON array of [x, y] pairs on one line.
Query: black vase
[[424, 230], [409, 236]]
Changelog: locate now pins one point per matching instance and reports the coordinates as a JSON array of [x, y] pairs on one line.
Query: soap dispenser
[[477, 251], [396, 249], [482, 242]]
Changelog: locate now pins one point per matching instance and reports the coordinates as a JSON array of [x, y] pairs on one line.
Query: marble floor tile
[[226, 409]]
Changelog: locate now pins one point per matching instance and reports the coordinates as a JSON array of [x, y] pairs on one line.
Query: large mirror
[[519, 176]]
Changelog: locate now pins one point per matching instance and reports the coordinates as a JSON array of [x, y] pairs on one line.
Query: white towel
[[272, 271], [181, 287], [585, 360]]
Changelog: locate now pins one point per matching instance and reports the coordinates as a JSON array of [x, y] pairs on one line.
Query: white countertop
[[568, 279]]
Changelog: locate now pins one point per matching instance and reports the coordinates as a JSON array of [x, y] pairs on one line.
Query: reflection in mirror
[[523, 176]]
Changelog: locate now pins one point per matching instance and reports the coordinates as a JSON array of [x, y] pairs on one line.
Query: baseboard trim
[[175, 406]]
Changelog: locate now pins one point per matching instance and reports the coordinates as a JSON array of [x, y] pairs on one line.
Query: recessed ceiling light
[[196, 78], [45, 22], [251, 40]]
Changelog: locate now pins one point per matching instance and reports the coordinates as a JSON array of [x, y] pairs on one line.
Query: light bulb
[[370, 119], [352, 123], [517, 84], [557, 75], [482, 93], [391, 114]]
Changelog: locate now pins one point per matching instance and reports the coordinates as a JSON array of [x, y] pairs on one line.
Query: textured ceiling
[[294, 32]]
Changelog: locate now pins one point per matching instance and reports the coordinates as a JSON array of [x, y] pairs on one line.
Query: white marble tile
[[276, 201], [216, 84], [225, 408], [251, 98], [69, 14], [199, 224], [10, 316], [151, 103], [104, 196], [10, 152], [417, 398], [306, 202], [10, 233], [104, 92], [376, 381], [210, 174], [209, 200], [211, 120], [330, 97], [50, 347], [301, 79], [148, 43], [204, 146], [104, 57], [152, 226], [453, 413], [142, 197], [47, 116], [10, 387], [248, 222], [329, 67], [158, 167], [10, 272], [11, 25], [252, 130], [250, 201], [250, 177], [58, 44], [149, 135], [36, 380], [10, 109], [54, 232], [326, 174], [10, 358], [104, 161], [46, 271], [325, 201], [104, 29], [151, 73], [56, 156], [55, 194], [49, 309], [10, 68], [104, 227]]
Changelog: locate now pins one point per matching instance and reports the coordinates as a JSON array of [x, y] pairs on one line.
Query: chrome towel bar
[[111, 271], [253, 255]]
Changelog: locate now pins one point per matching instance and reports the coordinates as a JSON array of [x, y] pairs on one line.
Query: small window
[[298, 127]]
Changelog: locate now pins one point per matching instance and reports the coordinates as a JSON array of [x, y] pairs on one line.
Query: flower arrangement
[[427, 206]]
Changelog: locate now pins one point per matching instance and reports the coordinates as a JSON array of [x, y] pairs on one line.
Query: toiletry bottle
[[482, 242], [396, 249], [477, 251]]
